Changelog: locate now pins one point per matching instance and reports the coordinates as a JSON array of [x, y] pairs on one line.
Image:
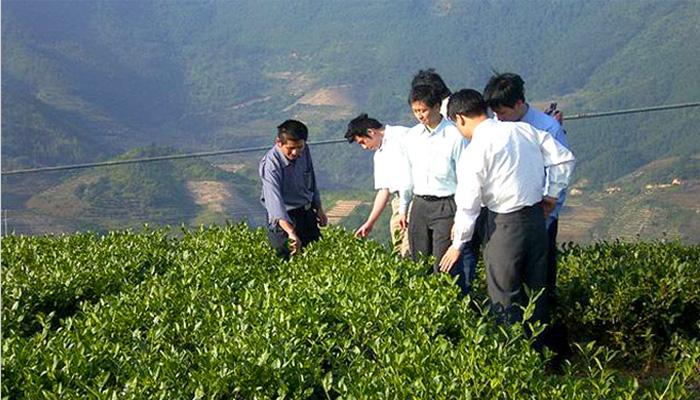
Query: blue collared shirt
[[544, 122], [432, 158], [287, 184]]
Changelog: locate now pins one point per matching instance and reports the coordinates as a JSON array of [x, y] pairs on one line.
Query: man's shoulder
[[270, 159], [451, 130], [542, 121], [416, 129], [396, 130]]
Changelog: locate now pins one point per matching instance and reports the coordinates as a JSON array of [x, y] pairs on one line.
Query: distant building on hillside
[[674, 182]]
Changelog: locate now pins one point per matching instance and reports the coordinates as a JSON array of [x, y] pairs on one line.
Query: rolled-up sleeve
[[271, 176]]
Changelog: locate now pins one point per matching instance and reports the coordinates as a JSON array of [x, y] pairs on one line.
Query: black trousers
[[430, 224], [552, 261], [305, 226], [515, 255], [556, 336]]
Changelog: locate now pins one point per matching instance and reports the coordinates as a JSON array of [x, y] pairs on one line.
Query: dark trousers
[[552, 261], [556, 336], [430, 224], [305, 226], [515, 254], [430, 227], [465, 268]]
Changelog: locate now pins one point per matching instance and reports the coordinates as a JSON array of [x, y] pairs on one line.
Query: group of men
[[459, 181]]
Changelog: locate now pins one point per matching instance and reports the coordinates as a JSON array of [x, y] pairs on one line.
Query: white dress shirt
[[390, 163], [432, 159], [545, 122], [503, 169]]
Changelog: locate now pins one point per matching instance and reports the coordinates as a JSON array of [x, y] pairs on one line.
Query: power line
[[322, 142], [153, 159], [630, 111]]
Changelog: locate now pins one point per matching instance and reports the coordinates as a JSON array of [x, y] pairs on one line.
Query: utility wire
[[152, 159], [630, 111], [322, 142]]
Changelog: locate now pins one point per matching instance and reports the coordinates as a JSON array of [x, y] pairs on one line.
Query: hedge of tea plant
[[55, 274], [632, 297], [223, 318]]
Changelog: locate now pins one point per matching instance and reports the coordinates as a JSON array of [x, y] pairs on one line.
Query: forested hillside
[[88, 80]]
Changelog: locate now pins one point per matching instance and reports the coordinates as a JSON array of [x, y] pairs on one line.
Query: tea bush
[[224, 318], [633, 297], [55, 274]]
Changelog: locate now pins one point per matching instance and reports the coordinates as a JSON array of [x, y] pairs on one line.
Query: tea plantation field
[[213, 314]]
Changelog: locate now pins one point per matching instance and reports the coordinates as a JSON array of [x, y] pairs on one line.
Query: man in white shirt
[[433, 148], [390, 169], [505, 171]]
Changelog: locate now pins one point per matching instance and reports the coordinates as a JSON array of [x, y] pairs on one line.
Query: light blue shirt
[[432, 159], [544, 122]]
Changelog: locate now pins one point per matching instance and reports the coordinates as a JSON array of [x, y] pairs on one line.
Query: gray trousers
[[430, 224], [515, 254]]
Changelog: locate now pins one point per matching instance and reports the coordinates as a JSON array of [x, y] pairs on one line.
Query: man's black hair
[[424, 93], [468, 102], [292, 130], [504, 90], [359, 125], [431, 78]]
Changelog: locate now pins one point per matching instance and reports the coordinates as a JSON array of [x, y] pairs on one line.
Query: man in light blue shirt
[[433, 149]]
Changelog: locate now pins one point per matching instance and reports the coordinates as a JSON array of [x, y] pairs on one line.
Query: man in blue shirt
[[505, 95], [433, 148], [289, 191]]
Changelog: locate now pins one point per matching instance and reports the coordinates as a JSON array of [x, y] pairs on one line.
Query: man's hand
[[364, 230], [294, 242], [548, 204], [403, 222], [321, 217], [449, 259]]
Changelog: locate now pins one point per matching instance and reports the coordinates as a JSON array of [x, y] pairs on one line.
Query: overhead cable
[[322, 142]]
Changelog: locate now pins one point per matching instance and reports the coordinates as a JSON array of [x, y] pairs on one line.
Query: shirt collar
[[527, 115], [440, 126], [483, 126], [278, 153]]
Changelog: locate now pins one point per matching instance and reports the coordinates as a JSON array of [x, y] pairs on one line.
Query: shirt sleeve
[[468, 196], [559, 162], [272, 191], [406, 189], [317, 193]]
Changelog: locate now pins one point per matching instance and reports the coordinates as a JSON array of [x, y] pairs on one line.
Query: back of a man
[[505, 172]]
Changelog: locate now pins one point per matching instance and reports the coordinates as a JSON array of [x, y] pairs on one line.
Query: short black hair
[[424, 93], [359, 125], [504, 90], [468, 102], [431, 78], [292, 130]]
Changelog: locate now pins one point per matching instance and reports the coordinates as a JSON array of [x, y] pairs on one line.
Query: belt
[[434, 198], [305, 207]]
